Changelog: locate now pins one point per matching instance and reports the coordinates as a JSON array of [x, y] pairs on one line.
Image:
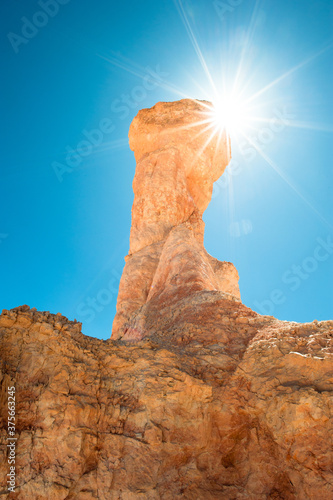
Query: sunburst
[[235, 111]]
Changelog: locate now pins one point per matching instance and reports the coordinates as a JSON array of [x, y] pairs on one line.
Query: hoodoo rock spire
[[178, 160]]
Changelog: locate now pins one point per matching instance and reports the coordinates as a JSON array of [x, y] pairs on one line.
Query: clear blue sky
[[92, 65]]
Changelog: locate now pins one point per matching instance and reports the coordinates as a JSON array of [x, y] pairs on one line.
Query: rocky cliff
[[195, 396]]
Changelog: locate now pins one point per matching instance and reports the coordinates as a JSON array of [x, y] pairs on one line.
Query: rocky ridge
[[246, 416]]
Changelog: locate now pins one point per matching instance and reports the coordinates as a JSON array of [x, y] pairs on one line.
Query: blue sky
[[80, 71]]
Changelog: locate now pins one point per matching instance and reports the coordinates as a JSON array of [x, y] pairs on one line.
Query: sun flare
[[230, 113]]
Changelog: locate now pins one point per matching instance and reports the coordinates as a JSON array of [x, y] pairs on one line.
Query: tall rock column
[[179, 157]]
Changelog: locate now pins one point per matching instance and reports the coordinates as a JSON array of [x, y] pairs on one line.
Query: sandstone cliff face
[[195, 396], [246, 413]]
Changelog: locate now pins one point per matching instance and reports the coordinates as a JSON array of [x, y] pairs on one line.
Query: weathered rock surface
[[246, 413], [178, 160], [195, 396]]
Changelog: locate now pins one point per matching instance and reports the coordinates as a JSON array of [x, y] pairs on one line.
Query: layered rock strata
[[244, 414]]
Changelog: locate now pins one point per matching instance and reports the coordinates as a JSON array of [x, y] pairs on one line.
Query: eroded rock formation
[[201, 398], [178, 160]]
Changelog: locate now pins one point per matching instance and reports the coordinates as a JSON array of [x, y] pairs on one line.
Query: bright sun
[[230, 113]]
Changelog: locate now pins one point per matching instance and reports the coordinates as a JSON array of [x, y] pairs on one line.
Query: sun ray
[[142, 73], [195, 124], [203, 91], [321, 127], [249, 35], [208, 141], [284, 177], [289, 72], [183, 16], [96, 148]]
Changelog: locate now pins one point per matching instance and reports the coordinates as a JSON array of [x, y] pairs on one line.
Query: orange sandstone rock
[[206, 399], [178, 160], [241, 410]]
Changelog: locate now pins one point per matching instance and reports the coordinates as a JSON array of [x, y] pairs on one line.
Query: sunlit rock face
[[245, 413], [179, 157], [200, 398]]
